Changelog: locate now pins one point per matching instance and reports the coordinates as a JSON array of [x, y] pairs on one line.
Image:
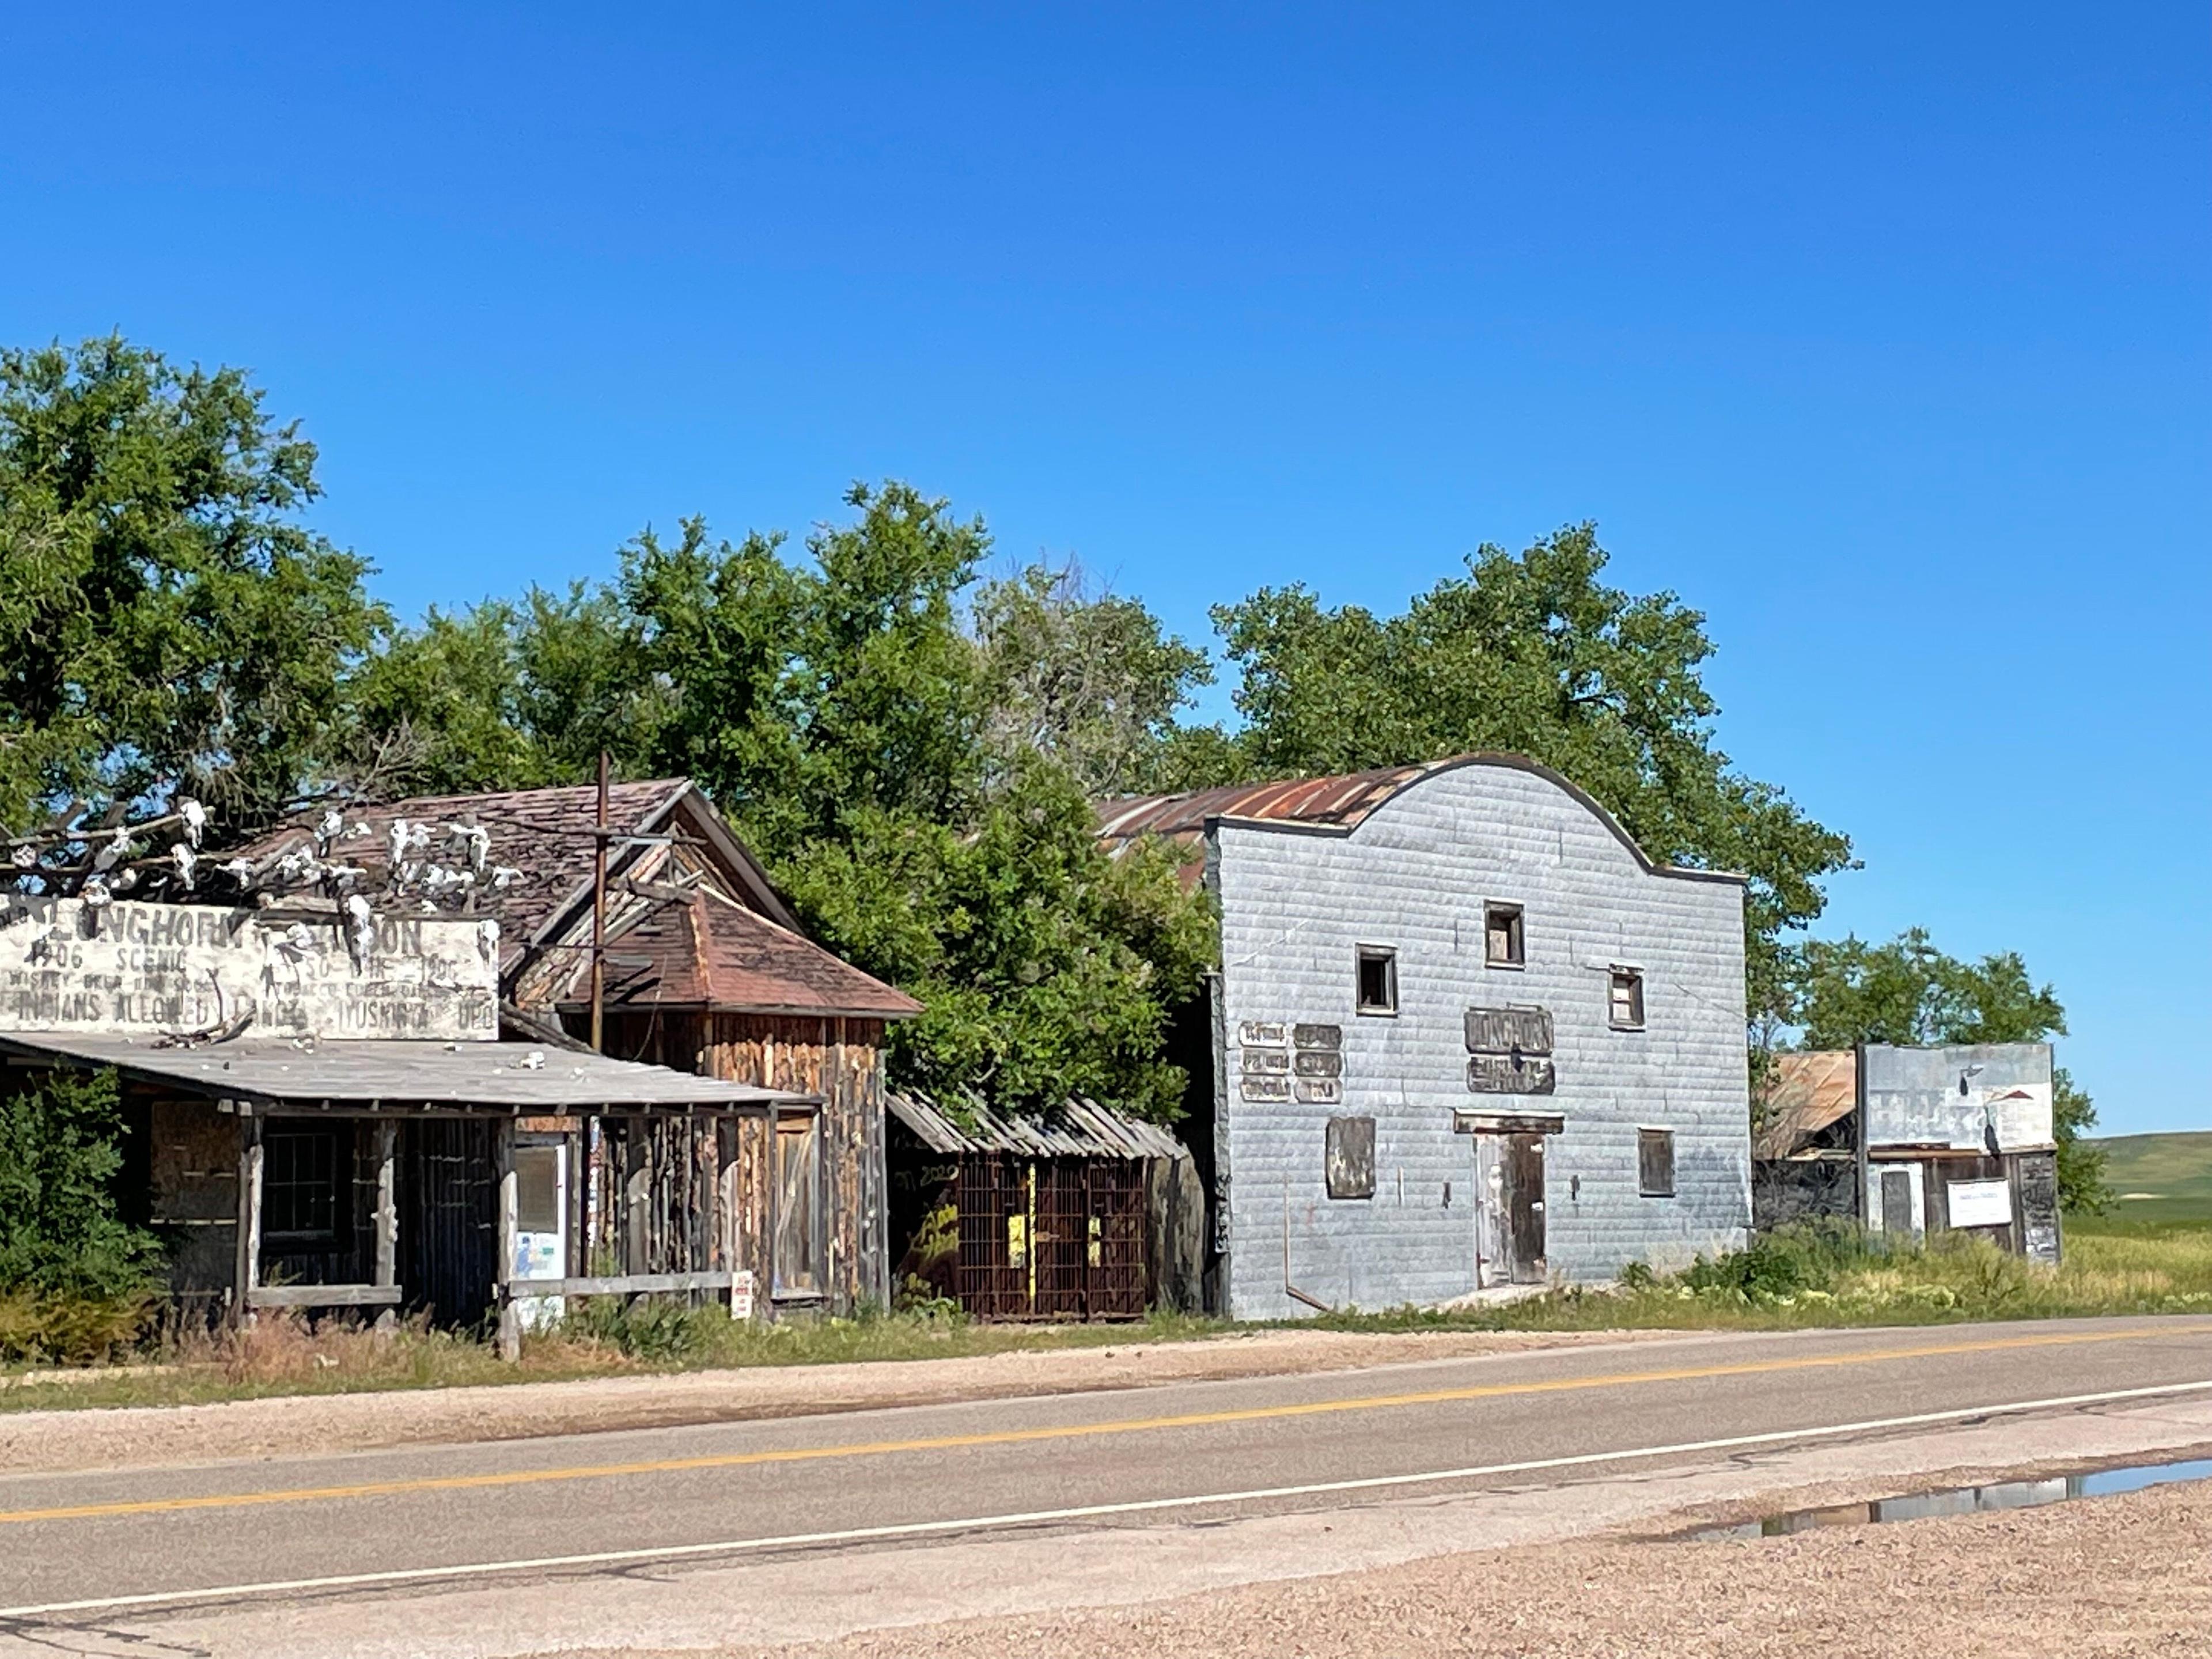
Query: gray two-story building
[[1464, 1035]]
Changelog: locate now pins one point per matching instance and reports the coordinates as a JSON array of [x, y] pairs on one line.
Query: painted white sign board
[[125, 968], [1980, 1203]]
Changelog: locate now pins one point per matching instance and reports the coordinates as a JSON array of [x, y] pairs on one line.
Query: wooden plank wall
[[839, 1059]]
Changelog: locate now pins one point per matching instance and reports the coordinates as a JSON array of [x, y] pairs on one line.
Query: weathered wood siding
[[839, 1061]]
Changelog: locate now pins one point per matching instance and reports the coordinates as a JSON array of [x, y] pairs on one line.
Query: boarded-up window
[[797, 1256], [1378, 980], [1351, 1157], [1627, 1000], [1654, 1163], [300, 1171], [1504, 943]]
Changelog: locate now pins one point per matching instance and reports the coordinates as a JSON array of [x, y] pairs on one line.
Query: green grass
[[2124, 1263], [286, 1355], [2161, 1178], [1799, 1279]]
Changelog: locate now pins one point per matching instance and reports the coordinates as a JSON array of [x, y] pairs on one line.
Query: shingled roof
[[712, 953], [744, 952]]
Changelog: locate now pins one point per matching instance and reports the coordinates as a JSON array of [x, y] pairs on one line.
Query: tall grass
[[1837, 1275]]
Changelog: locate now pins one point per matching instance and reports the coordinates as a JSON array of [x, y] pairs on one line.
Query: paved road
[[1190, 1452]]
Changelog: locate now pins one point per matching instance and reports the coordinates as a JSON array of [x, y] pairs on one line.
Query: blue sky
[[1881, 336]]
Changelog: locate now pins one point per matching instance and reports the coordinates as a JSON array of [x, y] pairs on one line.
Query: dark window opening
[[1504, 946], [1654, 1163], [299, 1185], [1378, 980], [1627, 1006]]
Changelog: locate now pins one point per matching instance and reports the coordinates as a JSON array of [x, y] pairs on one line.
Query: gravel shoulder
[[2095, 1577], [56, 1441]]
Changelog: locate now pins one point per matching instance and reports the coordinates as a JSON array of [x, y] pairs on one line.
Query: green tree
[[1532, 654], [1910, 993], [1086, 677], [166, 623], [913, 770], [60, 1232]]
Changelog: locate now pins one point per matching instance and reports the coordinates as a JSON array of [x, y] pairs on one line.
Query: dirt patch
[[54, 1442], [2102, 1576]]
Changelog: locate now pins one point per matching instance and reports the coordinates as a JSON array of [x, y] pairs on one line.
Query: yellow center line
[[1073, 1431]]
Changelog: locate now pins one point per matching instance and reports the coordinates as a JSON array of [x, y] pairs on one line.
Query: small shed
[[1916, 1141], [1077, 1213]]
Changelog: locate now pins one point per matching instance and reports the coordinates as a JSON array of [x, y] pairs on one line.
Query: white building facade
[[1465, 1035]]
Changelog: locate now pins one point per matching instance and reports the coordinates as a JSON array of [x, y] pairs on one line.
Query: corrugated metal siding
[[1077, 1128], [1415, 876]]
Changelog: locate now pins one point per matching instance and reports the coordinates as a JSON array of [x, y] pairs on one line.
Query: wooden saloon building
[[350, 1094], [706, 972]]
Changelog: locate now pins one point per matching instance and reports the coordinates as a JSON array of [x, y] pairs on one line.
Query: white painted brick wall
[[1415, 875]]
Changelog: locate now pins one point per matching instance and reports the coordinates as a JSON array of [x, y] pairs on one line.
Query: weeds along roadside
[[1796, 1278]]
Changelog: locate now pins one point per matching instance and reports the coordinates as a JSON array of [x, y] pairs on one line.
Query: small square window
[[1627, 1003], [1504, 946], [1377, 987], [302, 1173], [1654, 1163]]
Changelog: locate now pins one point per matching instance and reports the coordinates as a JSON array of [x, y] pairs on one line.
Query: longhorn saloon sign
[[1509, 1051], [125, 968]]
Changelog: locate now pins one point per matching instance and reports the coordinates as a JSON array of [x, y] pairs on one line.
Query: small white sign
[[741, 1294], [1980, 1203]]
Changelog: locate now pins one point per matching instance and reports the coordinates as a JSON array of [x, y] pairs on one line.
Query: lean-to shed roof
[[1806, 1093], [1080, 1128]]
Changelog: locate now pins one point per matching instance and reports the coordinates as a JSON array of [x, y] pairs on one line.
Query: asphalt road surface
[[235, 1531]]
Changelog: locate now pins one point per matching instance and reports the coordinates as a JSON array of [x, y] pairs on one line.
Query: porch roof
[[497, 1076]]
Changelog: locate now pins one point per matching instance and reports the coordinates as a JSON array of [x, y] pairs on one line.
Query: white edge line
[[1083, 1512]]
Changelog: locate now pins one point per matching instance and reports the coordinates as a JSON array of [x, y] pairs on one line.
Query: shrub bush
[[77, 1282]]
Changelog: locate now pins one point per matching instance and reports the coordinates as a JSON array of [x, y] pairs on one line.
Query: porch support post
[[247, 1278], [510, 1316], [387, 1203]]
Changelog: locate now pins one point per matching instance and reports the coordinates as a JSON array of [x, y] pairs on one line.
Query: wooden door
[[1523, 1161], [1897, 1203], [449, 1217]]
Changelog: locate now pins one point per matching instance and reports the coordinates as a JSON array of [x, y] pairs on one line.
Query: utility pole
[[599, 916]]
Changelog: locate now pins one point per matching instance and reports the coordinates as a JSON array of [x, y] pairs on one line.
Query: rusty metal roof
[[1341, 802], [1080, 1128], [1805, 1094]]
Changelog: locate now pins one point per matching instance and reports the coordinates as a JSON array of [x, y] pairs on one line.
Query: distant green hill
[[2173, 1174]]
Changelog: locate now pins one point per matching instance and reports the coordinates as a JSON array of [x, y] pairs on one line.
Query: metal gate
[[1051, 1238]]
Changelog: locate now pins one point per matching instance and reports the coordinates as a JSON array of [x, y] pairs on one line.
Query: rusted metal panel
[[1051, 1237]]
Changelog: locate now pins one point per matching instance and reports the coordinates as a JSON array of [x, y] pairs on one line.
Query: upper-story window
[[1627, 1000], [1375, 988], [1503, 944]]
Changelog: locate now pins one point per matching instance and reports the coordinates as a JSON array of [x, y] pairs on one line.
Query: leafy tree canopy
[[60, 1232], [1534, 654], [1910, 993], [166, 621], [914, 769]]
